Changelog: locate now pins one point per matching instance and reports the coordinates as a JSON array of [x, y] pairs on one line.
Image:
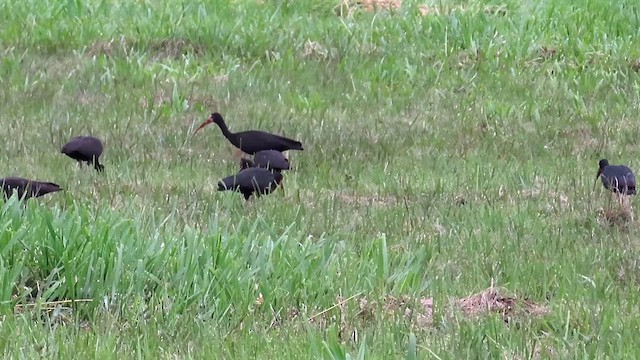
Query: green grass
[[400, 115]]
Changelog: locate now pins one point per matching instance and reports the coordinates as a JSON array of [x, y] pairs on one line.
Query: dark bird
[[84, 148], [27, 188], [252, 180], [252, 141], [617, 178], [267, 159]]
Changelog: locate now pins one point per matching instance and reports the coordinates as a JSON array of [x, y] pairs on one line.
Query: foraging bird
[[84, 148], [617, 178], [26, 187], [267, 159], [252, 180], [252, 141]]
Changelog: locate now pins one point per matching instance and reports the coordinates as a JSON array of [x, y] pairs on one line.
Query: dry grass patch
[[349, 7], [558, 200], [314, 50], [419, 310], [54, 313], [614, 217], [495, 300], [158, 49], [547, 52], [635, 65], [174, 48], [368, 200]]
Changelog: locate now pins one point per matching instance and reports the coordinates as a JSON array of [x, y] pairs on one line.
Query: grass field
[[446, 155]]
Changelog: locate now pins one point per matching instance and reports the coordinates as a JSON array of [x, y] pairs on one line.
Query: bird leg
[[237, 154]]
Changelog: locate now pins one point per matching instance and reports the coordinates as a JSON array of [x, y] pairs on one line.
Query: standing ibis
[[617, 178], [252, 141], [252, 180], [84, 148], [267, 159], [27, 188]]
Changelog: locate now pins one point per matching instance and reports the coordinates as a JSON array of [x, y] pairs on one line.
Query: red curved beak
[[205, 123]]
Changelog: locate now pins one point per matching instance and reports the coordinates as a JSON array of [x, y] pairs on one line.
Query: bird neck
[[225, 130]]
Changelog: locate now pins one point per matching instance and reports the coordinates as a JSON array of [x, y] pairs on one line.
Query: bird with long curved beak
[[252, 141]]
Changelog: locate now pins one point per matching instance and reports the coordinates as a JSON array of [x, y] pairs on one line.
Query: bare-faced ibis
[[84, 148], [267, 159], [617, 178], [252, 141], [27, 188], [252, 180]]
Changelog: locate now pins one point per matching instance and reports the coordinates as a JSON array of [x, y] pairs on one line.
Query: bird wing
[[255, 140]]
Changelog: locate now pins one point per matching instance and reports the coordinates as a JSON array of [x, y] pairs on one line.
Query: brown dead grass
[[368, 200], [55, 312], [635, 65], [314, 50], [558, 200], [547, 52], [174, 48], [349, 7], [498, 10], [157, 49], [495, 300], [418, 310], [621, 217]]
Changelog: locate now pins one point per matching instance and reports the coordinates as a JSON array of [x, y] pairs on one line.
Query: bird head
[[213, 118], [601, 165]]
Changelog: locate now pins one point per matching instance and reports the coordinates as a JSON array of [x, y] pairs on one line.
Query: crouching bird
[[84, 148], [26, 188], [617, 178], [255, 180], [267, 159]]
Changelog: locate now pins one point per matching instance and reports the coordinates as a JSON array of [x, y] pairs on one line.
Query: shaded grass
[[400, 115]]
